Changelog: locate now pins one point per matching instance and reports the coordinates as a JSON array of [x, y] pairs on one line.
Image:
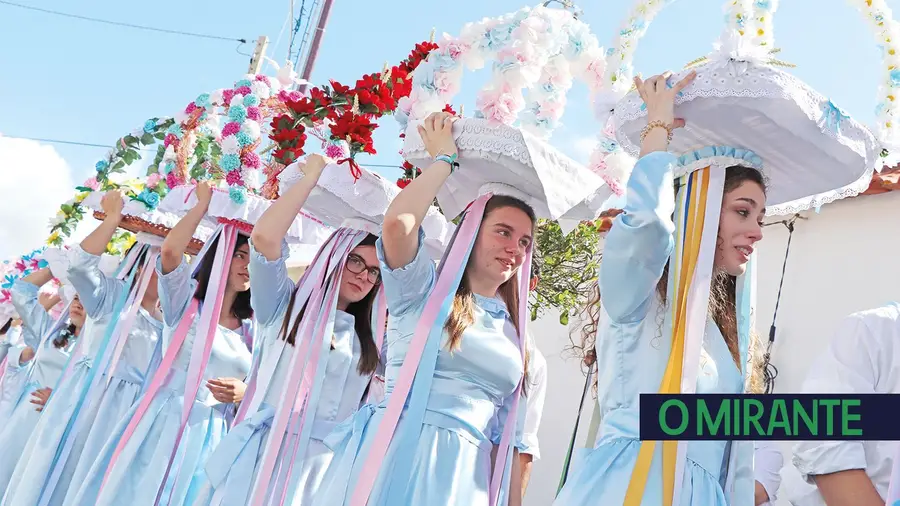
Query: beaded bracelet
[[656, 124]]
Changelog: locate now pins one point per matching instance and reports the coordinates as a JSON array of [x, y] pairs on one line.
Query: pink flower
[[336, 151], [251, 160], [551, 110], [231, 129], [500, 105], [244, 90], [254, 113], [227, 95], [455, 48], [92, 183], [171, 180], [153, 180], [170, 140], [190, 108], [445, 83], [233, 178], [260, 77]]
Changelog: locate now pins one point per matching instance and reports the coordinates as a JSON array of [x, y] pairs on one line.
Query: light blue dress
[[104, 408], [15, 375], [44, 371], [468, 403], [632, 353], [139, 471], [234, 464]]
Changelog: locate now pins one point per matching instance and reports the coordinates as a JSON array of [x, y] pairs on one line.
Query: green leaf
[[83, 189], [160, 136], [564, 318], [118, 166], [147, 139]]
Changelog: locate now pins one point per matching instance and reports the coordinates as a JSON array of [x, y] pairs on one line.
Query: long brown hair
[[362, 321], [722, 301], [240, 308], [462, 314]]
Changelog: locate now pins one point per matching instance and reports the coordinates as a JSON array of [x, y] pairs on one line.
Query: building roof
[[886, 181]]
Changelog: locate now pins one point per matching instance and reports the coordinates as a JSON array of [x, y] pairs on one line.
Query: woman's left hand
[[227, 390], [39, 398]]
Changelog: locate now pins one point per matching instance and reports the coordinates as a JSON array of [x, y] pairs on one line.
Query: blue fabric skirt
[[234, 465], [139, 471], [15, 434], [602, 477], [451, 465]]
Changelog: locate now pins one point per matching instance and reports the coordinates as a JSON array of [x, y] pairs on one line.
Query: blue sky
[[81, 81]]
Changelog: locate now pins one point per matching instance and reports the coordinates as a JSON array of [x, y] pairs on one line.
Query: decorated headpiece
[[809, 151]]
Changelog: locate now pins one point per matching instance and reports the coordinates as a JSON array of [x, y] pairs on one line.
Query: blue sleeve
[[407, 287], [34, 318], [175, 291], [641, 239], [270, 286], [98, 292]]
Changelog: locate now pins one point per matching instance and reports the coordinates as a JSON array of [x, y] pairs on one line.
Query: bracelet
[[449, 159], [656, 124]]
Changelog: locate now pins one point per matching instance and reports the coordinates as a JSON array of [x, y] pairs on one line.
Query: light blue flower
[[101, 165], [244, 139], [149, 126], [251, 101], [423, 77], [230, 162], [895, 77], [764, 4], [879, 109], [149, 198], [441, 62], [175, 129], [237, 113], [237, 195], [203, 100], [610, 51], [497, 37], [170, 166], [608, 145], [242, 82]]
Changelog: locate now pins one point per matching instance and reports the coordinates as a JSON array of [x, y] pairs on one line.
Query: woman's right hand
[[315, 163], [660, 99], [204, 193], [113, 202], [437, 134]]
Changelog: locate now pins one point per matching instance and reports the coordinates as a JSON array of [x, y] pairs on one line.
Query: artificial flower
[[233, 178], [153, 180], [251, 160], [171, 180], [237, 113], [204, 100], [101, 166], [237, 195], [231, 128], [251, 128], [254, 113], [149, 126], [149, 198], [230, 145], [244, 139], [251, 100], [229, 162], [92, 183]]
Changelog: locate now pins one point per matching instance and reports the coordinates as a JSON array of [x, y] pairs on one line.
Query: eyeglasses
[[357, 265]]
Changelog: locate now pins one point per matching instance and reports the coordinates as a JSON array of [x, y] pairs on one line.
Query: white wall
[[842, 260]]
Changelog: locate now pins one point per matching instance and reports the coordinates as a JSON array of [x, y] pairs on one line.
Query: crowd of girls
[[132, 441]]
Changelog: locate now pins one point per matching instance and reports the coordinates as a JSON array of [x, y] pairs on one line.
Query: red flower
[[449, 108], [303, 107], [403, 182], [339, 89]]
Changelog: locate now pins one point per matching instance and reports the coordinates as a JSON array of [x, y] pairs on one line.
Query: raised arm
[[35, 320], [96, 291], [178, 239], [640, 242], [408, 209], [273, 225]]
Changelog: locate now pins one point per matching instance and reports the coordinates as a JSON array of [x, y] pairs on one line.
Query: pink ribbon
[[209, 322], [454, 262]]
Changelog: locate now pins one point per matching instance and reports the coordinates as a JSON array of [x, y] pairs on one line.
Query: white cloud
[[35, 181], [583, 146]]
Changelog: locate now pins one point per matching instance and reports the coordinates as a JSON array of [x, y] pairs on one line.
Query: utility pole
[[256, 60], [317, 40]]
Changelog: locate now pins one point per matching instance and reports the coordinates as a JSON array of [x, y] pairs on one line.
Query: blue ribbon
[[832, 117]]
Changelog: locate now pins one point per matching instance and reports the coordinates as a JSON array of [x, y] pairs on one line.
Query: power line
[[119, 23], [107, 146]]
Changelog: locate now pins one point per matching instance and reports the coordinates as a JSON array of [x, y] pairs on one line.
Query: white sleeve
[[767, 463], [534, 404], [850, 364]]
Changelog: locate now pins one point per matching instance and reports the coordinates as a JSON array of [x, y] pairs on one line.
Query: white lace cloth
[[339, 200], [502, 159], [813, 152], [180, 200]]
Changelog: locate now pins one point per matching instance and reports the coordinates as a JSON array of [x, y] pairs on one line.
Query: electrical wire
[[119, 23], [106, 146]]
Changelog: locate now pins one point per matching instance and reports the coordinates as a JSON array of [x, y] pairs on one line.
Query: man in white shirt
[[536, 390], [863, 357]]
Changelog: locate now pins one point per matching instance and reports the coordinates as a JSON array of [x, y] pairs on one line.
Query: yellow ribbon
[[687, 250]]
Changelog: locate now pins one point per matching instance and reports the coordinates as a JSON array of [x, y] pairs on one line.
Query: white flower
[[251, 128], [230, 145], [169, 154], [237, 99], [217, 96], [261, 90], [181, 117]]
